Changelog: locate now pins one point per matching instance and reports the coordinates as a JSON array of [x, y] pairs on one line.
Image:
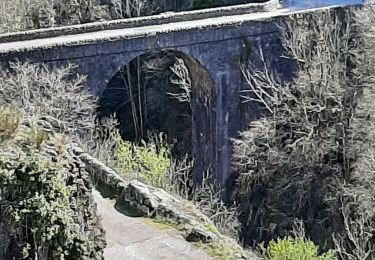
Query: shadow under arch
[[147, 95]]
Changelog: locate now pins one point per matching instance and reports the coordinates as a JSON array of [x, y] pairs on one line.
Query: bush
[[69, 12], [292, 162], [10, 120], [357, 240], [298, 248], [46, 205], [56, 95], [152, 163], [149, 161], [39, 201]]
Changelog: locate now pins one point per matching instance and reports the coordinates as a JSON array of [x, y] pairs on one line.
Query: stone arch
[[196, 134]]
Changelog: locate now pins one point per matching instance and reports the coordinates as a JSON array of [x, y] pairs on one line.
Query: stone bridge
[[212, 43]]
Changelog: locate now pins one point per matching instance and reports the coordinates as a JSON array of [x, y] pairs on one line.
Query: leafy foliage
[[295, 248], [46, 208], [43, 204], [10, 120], [150, 160]]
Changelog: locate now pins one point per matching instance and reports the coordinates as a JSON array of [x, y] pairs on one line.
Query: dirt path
[[130, 238]]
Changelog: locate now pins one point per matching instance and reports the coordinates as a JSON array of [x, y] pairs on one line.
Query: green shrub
[[44, 208], [46, 205], [290, 248], [149, 160], [36, 136], [10, 119]]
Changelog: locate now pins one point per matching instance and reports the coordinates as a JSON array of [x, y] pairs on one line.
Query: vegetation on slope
[[311, 155], [46, 196], [149, 161], [47, 211]]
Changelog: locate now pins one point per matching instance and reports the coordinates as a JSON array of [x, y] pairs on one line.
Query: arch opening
[[164, 92]]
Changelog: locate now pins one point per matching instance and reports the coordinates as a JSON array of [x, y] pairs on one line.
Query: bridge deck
[[137, 32]]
